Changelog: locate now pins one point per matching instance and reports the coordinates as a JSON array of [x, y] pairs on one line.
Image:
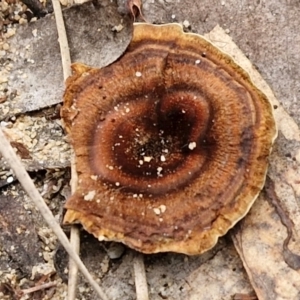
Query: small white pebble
[[94, 177], [186, 23], [197, 62], [141, 162], [115, 250], [89, 196], [159, 169], [10, 179], [192, 145], [163, 158], [163, 208], [156, 211], [117, 28], [138, 74], [81, 289], [10, 32], [173, 16], [22, 21], [147, 158], [5, 46], [117, 183], [34, 32]]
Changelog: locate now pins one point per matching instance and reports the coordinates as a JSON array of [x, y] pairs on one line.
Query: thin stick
[[74, 240], [16, 165], [141, 286], [39, 287], [66, 64], [62, 38], [73, 268]]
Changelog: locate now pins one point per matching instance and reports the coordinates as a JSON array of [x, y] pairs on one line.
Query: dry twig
[[73, 269], [39, 287], [141, 286], [62, 38], [66, 64]]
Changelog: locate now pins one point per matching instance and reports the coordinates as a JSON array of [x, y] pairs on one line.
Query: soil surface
[[266, 31]]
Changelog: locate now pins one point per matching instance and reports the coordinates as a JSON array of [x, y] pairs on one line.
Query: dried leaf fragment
[[292, 259], [21, 150], [135, 8]]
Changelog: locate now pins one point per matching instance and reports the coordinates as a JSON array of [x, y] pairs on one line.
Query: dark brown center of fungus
[[171, 143], [153, 143]]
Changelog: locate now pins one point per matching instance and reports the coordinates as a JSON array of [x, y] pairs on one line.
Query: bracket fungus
[[171, 143]]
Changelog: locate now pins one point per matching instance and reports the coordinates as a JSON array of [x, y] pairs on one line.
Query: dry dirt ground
[[268, 34]]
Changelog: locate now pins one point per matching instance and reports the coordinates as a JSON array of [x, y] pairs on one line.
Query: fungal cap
[[171, 143]]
